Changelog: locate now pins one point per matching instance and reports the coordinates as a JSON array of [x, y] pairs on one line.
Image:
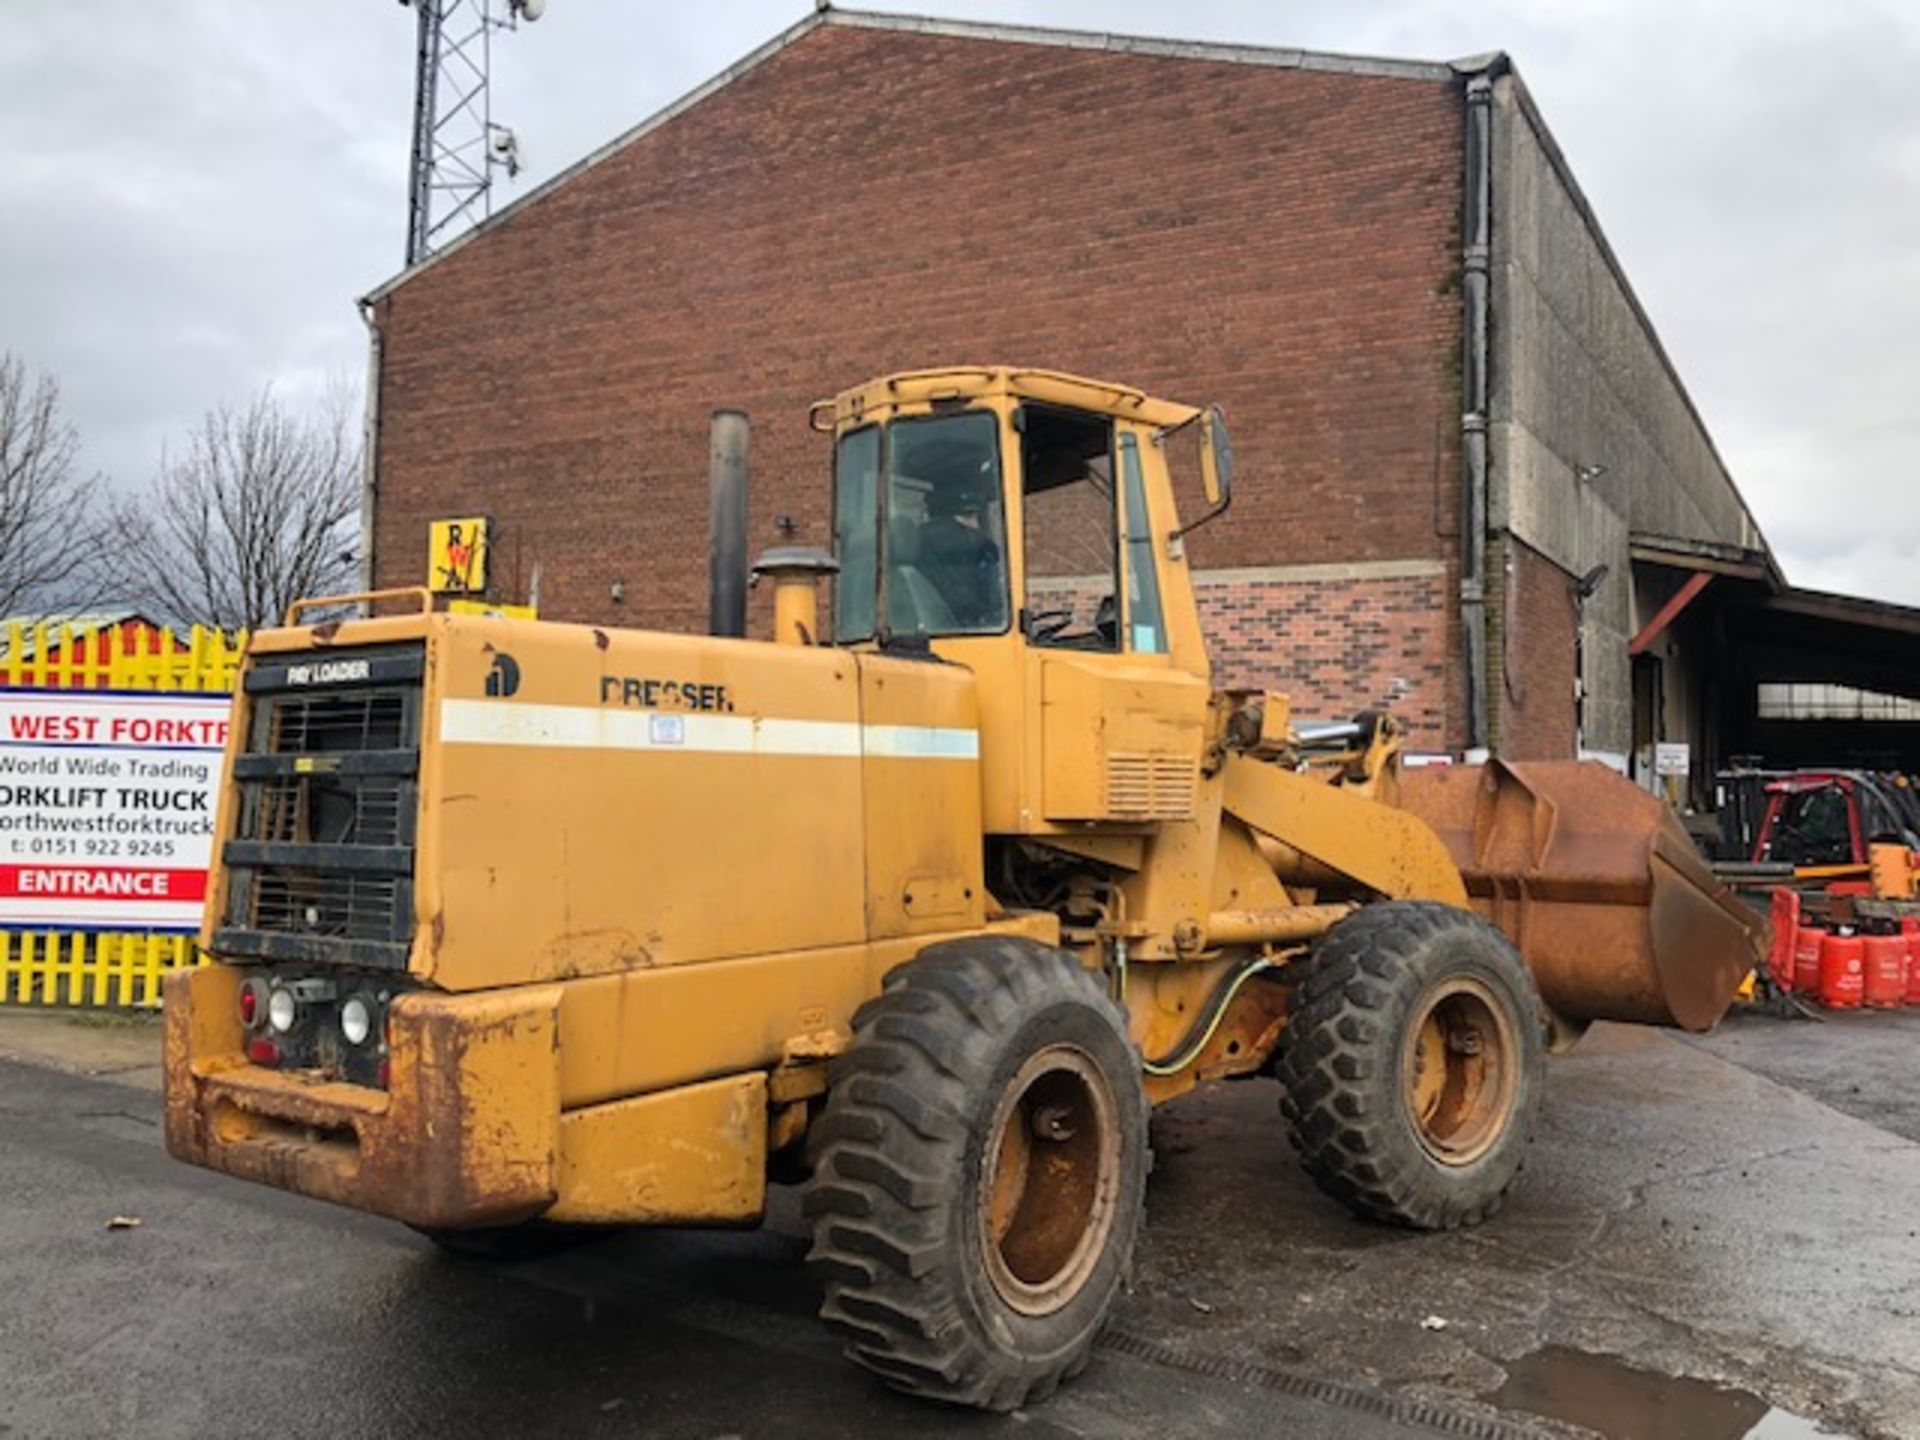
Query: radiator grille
[[320, 860], [326, 810], [302, 902], [1143, 786], [330, 724]]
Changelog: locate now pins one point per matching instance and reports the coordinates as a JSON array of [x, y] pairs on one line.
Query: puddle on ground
[[1614, 1399]]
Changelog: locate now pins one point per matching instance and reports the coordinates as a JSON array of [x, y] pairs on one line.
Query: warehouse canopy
[[1787, 633], [1736, 608]]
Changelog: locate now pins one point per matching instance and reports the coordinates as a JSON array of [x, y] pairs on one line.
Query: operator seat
[[914, 602], [963, 564]]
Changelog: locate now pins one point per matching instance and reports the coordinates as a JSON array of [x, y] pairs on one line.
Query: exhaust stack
[[727, 525]]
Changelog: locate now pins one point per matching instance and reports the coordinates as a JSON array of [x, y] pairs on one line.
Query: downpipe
[[1475, 267]]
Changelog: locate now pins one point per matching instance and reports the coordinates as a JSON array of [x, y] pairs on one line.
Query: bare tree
[[49, 526], [259, 511]]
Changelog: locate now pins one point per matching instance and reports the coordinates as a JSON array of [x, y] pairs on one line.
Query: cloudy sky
[[192, 193]]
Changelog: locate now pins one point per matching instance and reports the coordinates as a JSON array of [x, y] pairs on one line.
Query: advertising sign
[[106, 807]]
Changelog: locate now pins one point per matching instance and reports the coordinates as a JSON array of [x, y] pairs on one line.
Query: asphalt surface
[[1682, 1216], [1864, 1063], [232, 1310]]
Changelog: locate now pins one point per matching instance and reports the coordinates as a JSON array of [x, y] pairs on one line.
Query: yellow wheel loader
[[520, 927]]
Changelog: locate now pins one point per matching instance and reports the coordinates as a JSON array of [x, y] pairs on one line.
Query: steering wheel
[[1106, 621], [1044, 625]]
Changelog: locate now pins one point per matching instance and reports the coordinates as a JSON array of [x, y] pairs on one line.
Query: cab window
[[856, 533], [1813, 829], [1067, 500], [1146, 631], [946, 546]]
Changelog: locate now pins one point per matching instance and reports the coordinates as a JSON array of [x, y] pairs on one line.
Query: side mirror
[[1216, 458], [1216, 467]]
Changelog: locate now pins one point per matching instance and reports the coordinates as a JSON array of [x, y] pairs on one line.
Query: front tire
[[1413, 1065], [980, 1173]]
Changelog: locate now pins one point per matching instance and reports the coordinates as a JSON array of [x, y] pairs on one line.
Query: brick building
[[1453, 420]]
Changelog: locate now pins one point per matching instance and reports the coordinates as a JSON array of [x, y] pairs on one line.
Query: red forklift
[[1829, 849]]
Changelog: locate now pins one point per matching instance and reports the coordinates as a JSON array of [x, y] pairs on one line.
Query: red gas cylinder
[[1910, 930], [1807, 941], [1884, 985], [1842, 971], [1784, 909]]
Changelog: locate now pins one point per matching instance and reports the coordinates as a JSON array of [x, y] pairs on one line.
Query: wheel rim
[[1051, 1183], [1458, 1071]]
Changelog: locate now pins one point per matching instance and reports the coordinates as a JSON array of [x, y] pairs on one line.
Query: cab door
[[1120, 726]]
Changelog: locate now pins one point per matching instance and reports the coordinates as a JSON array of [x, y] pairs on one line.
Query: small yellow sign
[[457, 557], [492, 610]]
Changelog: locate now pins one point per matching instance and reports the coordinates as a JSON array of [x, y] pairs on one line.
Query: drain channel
[[1398, 1409]]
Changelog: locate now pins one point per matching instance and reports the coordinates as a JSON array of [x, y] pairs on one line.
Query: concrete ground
[[1736, 1209]]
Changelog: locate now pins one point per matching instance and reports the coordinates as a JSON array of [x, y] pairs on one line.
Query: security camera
[[506, 148]]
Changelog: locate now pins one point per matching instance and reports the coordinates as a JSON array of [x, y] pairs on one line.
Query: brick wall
[[1339, 644], [1336, 639], [1281, 240], [1530, 642]]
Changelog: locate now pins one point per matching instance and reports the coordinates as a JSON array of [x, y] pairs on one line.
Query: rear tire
[[1413, 1065], [979, 1173]]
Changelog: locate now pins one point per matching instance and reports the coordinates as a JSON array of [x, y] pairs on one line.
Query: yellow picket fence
[[109, 652], [90, 968]]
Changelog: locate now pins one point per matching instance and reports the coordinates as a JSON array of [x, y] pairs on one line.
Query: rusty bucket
[[1597, 885]]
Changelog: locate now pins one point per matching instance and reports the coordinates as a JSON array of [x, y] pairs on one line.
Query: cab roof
[[879, 398]]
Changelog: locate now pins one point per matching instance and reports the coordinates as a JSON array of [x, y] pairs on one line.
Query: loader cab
[[1022, 524]]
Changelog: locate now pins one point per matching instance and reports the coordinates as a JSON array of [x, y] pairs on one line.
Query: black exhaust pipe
[[727, 525]]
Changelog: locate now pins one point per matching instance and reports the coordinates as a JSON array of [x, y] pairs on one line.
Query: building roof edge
[[1271, 56]]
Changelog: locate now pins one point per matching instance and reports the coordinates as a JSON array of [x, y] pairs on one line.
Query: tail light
[[263, 1051], [253, 1003]]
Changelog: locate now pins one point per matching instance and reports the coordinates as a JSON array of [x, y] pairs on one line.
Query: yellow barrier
[[98, 968]]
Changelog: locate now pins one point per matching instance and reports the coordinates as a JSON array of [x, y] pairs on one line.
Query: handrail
[[367, 597]]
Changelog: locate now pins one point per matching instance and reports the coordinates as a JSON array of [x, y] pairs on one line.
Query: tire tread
[[888, 1153], [1352, 1146]]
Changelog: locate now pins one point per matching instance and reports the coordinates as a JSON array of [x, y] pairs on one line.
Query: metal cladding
[[727, 525], [1597, 884]]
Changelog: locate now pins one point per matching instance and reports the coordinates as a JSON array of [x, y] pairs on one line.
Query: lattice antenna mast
[[456, 144]]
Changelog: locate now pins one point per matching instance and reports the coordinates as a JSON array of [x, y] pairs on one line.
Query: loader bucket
[[1597, 885]]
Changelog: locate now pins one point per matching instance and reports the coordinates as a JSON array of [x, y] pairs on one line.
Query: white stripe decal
[[921, 742], [587, 727]]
